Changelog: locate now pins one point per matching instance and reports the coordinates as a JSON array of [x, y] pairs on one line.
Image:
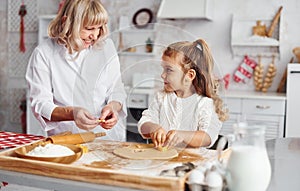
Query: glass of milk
[[248, 167]]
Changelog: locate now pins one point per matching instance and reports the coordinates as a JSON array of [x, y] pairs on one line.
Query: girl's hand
[[83, 119], [110, 117], [173, 138], [158, 137]]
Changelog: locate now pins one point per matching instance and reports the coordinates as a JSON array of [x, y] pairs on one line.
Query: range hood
[[185, 9]]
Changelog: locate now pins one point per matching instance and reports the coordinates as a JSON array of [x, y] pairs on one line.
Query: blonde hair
[[197, 56], [73, 17]]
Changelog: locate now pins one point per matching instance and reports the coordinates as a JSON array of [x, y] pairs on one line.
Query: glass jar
[[248, 166]]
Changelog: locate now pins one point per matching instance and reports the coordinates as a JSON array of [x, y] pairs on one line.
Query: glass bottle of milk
[[248, 166]]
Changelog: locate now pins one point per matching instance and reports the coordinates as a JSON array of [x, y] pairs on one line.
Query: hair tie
[[199, 46]]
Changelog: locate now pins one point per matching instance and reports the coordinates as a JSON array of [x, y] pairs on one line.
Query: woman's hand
[[109, 117], [173, 138], [158, 137], [83, 119]]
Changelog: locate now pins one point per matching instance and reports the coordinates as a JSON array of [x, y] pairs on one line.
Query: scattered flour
[[50, 150]]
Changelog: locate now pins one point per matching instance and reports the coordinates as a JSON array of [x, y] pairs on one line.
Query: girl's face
[[90, 34], [174, 77]]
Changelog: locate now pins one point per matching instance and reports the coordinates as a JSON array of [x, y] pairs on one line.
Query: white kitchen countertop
[[254, 95], [226, 94]]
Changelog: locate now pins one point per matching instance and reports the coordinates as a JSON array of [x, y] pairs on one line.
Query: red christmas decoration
[[22, 13], [245, 70], [3, 184], [61, 4], [226, 79]]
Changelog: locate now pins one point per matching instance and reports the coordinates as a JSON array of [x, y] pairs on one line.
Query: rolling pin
[[74, 138], [274, 22]]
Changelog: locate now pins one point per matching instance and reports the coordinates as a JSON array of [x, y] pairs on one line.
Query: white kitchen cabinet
[[257, 107], [293, 103], [197, 9], [137, 101]]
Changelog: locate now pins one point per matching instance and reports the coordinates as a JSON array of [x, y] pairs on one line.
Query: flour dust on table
[[16, 187]]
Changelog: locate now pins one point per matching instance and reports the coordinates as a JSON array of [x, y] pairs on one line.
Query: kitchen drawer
[[274, 124], [234, 105], [137, 101], [263, 106]]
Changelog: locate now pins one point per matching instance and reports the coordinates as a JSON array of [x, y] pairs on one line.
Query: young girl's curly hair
[[197, 56], [73, 17]]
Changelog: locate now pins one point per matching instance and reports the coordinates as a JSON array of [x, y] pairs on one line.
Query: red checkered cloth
[[11, 140]]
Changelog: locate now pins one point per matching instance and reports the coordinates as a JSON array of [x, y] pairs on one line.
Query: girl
[[74, 76], [188, 111]]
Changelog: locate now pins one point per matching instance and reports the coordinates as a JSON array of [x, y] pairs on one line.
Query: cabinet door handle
[[137, 100], [295, 72], [263, 107]]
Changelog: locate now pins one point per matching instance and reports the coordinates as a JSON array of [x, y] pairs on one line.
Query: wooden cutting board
[[107, 169]]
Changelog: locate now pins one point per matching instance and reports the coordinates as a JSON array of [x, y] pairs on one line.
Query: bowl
[[22, 153]]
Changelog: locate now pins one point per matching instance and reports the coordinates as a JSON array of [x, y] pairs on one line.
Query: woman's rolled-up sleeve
[[39, 82]]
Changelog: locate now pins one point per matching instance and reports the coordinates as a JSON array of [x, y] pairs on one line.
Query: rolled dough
[[140, 151]]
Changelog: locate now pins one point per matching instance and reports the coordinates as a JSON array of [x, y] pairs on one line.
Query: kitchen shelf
[[137, 30], [244, 42], [135, 38], [136, 54]]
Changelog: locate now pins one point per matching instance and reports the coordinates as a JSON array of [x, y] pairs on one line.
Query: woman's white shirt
[[89, 80], [189, 114]]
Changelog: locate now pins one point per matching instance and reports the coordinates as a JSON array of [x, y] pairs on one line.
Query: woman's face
[[172, 74], [90, 34]]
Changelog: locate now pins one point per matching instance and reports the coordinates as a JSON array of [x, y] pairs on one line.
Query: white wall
[[218, 32]]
